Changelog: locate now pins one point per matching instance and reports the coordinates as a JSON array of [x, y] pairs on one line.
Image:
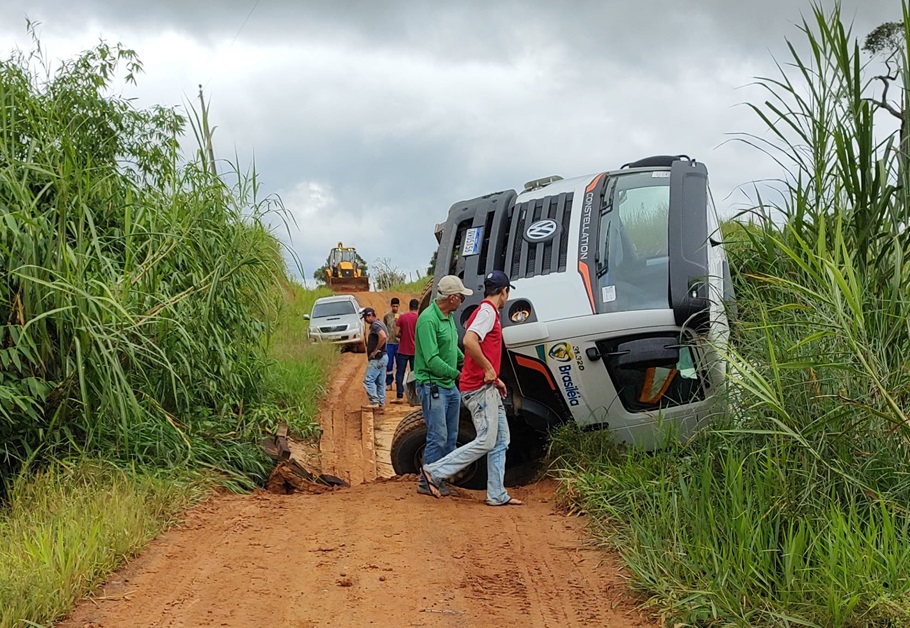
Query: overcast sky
[[371, 118]]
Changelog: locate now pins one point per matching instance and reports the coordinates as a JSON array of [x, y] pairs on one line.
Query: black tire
[[425, 296], [410, 440], [358, 347]]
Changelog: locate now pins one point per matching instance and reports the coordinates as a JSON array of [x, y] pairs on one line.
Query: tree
[[888, 41], [385, 276], [431, 269]]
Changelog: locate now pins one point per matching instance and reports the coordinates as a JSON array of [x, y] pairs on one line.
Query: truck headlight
[[520, 311]]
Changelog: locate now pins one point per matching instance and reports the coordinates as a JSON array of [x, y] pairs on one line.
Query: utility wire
[[239, 30]]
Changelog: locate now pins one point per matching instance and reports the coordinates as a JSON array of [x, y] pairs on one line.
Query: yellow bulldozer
[[344, 272]]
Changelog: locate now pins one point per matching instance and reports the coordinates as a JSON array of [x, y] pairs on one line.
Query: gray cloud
[[370, 119]]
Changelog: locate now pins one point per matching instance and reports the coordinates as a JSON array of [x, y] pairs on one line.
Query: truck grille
[[331, 329], [528, 259]]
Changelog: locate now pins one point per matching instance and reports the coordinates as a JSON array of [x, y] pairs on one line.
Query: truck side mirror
[[306, 317]]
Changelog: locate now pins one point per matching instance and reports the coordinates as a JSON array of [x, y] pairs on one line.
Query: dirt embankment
[[375, 554]]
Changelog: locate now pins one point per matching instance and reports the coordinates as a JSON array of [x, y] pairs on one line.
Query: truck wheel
[[425, 296], [410, 440]]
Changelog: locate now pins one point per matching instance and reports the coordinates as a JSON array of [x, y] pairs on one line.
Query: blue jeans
[[391, 350], [489, 417], [373, 379], [441, 416], [401, 362]]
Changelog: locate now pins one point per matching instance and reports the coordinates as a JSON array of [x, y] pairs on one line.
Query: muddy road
[[375, 554]]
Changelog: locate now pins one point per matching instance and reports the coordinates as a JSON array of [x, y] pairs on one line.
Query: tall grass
[[68, 527], [136, 288], [793, 509]]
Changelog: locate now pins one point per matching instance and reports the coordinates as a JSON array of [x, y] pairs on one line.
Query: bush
[[136, 291]]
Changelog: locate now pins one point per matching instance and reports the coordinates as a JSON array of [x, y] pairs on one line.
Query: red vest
[[490, 346]]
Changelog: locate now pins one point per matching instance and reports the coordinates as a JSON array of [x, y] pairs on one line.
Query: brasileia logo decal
[[541, 231]]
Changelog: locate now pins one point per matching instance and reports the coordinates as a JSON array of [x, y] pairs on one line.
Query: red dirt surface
[[375, 554]]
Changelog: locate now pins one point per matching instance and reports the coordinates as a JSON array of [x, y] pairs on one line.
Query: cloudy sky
[[370, 118]]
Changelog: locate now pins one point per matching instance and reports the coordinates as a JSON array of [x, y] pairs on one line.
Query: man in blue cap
[[482, 392]]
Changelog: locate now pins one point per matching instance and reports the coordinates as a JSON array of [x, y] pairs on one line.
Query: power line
[[239, 30], [247, 19]]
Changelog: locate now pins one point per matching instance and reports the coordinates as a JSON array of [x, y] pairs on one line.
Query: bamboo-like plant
[[136, 289]]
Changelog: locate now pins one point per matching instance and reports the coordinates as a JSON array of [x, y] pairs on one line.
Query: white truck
[[618, 310]]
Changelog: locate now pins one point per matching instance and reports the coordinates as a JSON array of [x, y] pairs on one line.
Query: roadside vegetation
[[793, 509], [415, 287], [149, 337]]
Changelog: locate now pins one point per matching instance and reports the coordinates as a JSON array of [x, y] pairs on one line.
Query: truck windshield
[[632, 259], [338, 308]]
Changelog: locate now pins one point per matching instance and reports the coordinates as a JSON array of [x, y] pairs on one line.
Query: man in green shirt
[[437, 363]]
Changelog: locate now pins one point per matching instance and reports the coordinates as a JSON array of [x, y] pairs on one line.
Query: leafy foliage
[[135, 290], [885, 39]]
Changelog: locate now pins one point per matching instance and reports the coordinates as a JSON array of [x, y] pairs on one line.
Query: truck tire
[[410, 440], [425, 296]]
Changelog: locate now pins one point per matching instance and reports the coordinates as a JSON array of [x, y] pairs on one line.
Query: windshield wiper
[[603, 265]]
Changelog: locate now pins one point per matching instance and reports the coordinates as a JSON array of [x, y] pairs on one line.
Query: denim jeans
[[489, 417], [401, 361], [374, 378], [441, 416], [391, 350]]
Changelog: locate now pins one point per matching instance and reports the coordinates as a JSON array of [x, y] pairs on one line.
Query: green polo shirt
[[438, 359]]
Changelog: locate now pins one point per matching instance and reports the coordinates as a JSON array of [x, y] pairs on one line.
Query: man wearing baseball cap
[[377, 358], [437, 363], [482, 391]]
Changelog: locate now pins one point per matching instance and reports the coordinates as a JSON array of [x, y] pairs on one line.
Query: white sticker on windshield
[[608, 294], [660, 174]]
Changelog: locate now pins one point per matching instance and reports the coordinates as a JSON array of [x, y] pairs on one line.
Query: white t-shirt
[[484, 320]]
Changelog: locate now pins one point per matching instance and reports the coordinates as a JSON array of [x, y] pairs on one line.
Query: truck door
[[688, 245]]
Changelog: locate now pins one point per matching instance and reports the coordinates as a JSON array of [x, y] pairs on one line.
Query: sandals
[[512, 502], [432, 484]]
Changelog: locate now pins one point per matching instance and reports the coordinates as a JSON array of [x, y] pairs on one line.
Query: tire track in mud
[[345, 450], [531, 572]]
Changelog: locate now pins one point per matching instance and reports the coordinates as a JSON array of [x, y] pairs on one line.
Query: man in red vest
[[482, 392]]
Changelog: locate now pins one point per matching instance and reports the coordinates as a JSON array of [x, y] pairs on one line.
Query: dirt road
[[375, 554]]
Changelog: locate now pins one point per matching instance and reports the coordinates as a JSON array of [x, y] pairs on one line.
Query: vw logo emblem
[[541, 231]]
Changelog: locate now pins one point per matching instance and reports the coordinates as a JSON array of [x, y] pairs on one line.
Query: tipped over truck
[[617, 313]]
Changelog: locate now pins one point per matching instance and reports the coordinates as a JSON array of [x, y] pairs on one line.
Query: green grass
[[297, 382], [792, 510], [740, 531], [67, 527], [415, 287]]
